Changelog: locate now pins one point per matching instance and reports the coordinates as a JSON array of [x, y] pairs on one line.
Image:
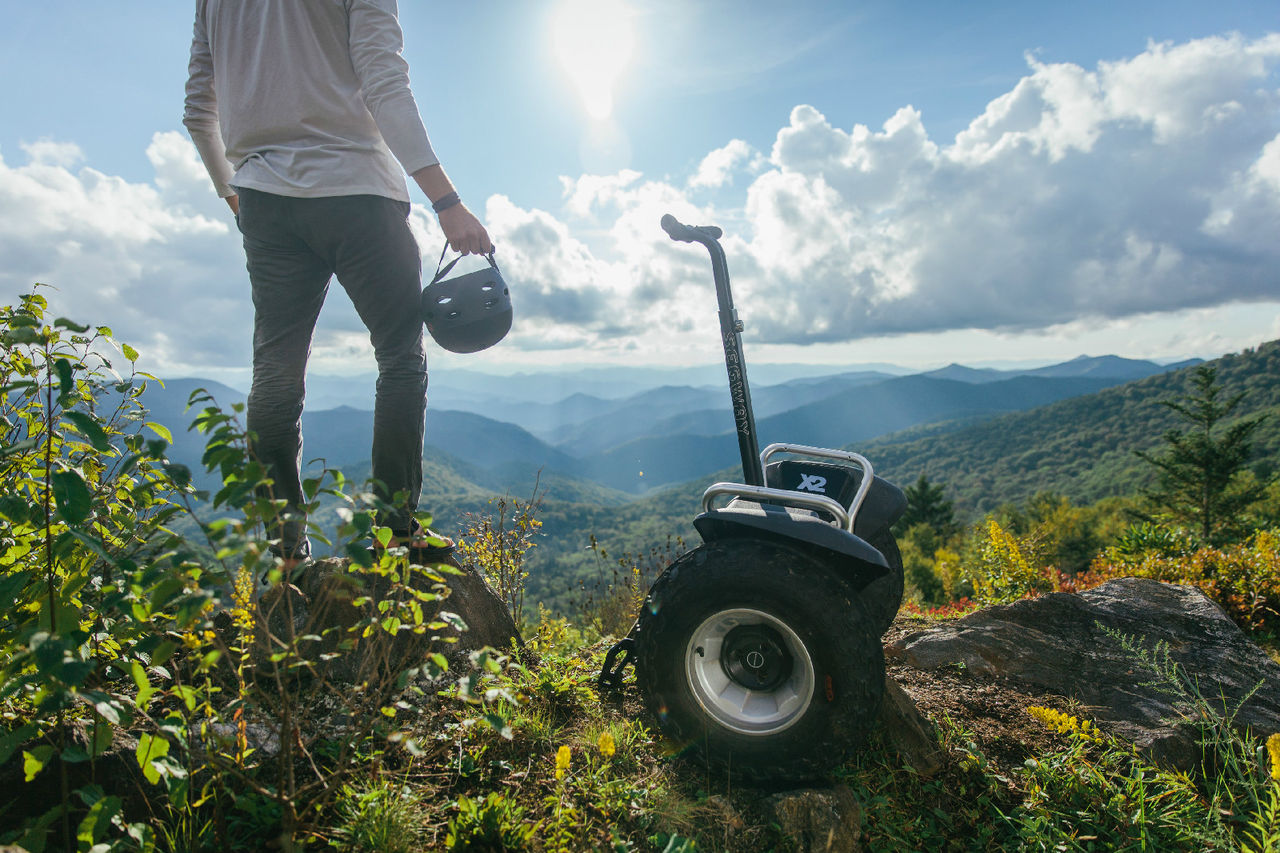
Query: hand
[[464, 232], [233, 202]]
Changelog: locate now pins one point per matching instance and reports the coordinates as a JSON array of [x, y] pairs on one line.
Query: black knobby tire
[[883, 596], [807, 708]]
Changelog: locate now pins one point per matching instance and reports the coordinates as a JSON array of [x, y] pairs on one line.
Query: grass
[[582, 771]]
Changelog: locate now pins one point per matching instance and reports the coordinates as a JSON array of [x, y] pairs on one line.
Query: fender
[[852, 556]]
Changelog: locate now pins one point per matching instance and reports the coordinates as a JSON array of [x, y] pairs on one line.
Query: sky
[[909, 182]]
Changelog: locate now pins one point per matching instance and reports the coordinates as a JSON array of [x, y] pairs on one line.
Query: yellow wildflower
[[1273, 750], [562, 761], [242, 600], [606, 745], [1063, 723], [1054, 720]]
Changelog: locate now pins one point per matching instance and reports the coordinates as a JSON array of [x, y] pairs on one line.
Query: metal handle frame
[[868, 473], [786, 497], [731, 340]]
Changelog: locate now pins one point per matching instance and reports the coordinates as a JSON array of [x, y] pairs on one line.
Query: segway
[[759, 650]]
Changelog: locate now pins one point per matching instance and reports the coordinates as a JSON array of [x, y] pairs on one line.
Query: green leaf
[[87, 426], [33, 762], [18, 447], [22, 335], [160, 430], [149, 749], [66, 377], [108, 711], [129, 352], [97, 821], [15, 508], [72, 495], [101, 740], [144, 835], [162, 652], [9, 741], [64, 323], [499, 725], [139, 673]]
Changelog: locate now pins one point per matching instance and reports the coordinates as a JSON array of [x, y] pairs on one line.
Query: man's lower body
[[293, 247]]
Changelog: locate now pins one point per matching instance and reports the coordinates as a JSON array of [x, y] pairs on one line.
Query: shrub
[[1002, 572], [115, 628], [1243, 578], [496, 544]]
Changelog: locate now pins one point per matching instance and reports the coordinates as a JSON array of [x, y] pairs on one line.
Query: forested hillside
[[1081, 447]]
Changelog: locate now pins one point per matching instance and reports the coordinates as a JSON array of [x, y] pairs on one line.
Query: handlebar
[[677, 230]]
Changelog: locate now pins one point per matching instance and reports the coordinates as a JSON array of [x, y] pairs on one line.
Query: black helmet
[[470, 312]]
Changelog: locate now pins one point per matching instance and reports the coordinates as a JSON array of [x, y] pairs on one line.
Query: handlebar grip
[[677, 230]]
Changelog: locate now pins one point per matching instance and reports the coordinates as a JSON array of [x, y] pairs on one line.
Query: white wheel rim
[[732, 704]]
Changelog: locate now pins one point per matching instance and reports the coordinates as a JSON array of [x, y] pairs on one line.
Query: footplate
[[619, 657]]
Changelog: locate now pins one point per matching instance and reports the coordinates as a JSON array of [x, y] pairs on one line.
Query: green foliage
[[112, 624], [379, 817], [1003, 572], [1244, 579], [1080, 447], [919, 546], [496, 543], [1144, 538], [1199, 472], [492, 823], [1096, 787], [92, 584], [927, 504]]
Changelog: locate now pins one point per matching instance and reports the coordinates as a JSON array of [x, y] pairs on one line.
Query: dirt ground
[[992, 710]]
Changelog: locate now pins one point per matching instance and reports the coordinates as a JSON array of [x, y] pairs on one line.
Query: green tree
[[927, 504], [1200, 475]]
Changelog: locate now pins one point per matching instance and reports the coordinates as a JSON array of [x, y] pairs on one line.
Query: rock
[[723, 813], [321, 597], [907, 732], [1058, 643], [818, 820]]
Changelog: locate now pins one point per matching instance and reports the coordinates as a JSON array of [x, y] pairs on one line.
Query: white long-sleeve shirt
[[303, 98]]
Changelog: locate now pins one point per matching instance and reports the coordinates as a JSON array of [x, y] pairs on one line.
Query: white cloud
[[1077, 199], [718, 167], [141, 258], [48, 152]]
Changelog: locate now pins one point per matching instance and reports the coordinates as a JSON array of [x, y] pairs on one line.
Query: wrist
[[445, 202]]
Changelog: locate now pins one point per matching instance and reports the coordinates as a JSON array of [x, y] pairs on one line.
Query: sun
[[593, 42]]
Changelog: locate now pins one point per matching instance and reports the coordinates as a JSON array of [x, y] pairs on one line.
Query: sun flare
[[593, 42]]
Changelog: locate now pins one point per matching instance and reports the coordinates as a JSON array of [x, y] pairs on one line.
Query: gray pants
[[293, 247]]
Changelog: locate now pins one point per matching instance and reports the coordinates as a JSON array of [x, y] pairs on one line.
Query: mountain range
[[629, 471], [659, 436]]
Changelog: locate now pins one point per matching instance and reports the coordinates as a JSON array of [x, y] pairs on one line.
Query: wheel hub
[[756, 657], [749, 671]]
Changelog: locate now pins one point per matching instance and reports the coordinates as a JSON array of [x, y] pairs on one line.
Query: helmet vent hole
[[444, 300]]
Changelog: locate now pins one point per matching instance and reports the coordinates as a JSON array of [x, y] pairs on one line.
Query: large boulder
[[1069, 644], [321, 596]]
